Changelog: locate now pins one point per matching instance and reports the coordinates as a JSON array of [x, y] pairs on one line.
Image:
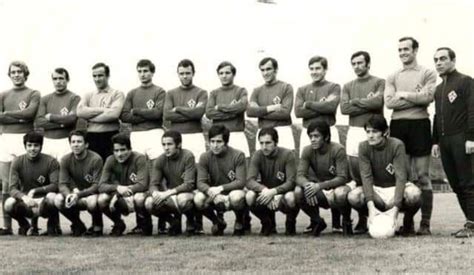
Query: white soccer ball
[[382, 226]]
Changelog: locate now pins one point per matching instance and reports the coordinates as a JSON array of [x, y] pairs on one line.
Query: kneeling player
[[173, 178], [123, 181], [221, 179], [79, 177], [383, 167], [33, 181], [275, 166], [328, 189]]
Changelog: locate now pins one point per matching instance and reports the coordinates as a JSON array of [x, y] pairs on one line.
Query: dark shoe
[[308, 229], [118, 229], [175, 226], [347, 228], [6, 231], [135, 231], [23, 230], [290, 229], [424, 229], [361, 227], [77, 230], [318, 228], [267, 228], [238, 229], [467, 231], [91, 232], [162, 231], [337, 229], [219, 227], [406, 231], [33, 231]]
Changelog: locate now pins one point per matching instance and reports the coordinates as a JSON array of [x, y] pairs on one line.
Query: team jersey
[[18, 107], [226, 106], [175, 172]]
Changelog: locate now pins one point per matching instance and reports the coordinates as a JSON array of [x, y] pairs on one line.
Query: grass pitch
[[330, 253]]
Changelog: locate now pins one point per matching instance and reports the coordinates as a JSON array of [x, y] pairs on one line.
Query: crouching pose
[[123, 181], [79, 176], [383, 167], [221, 181], [33, 183], [271, 181], [328, 188], [173, 178]]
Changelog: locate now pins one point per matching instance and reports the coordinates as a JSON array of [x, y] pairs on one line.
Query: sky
[[77, 34]]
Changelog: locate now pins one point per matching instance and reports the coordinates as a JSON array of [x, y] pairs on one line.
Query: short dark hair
[[122, 139], [20, 64], [175, 135], [103, 65], [321, 59], [322, 127], [62, 71], [81, 133], [146, 63], [33, 137], [365, 54], [225, 64], [269, 131], [271, 59], [186, 63], [377, 122], [414, 43], [216, 130], [451, 53]]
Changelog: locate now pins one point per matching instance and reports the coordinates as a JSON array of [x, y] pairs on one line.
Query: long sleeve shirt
[[278, 170], [362, 98], [228, 169], [454, 106], [62, 108], [385, 165], [83, 174], [184, 108], [147, 105], [278, 92], [313, 102], [226, 106], [40, 173], [133, 173], [175, 172], [419, 82], [110, 101], [329, 165], [18, 107]]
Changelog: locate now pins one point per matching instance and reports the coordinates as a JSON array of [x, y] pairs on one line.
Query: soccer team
[[78, 158]]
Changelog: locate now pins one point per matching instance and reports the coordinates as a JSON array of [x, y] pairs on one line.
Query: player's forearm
[[46, 125], [66, 120], [325, 107], [107, 187], [254, 185], [285, 187], [257, 111], [149, 114], [93, 189], [351, 110], [333, 183]]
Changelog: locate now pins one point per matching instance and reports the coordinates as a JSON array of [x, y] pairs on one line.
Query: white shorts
[[387, 193], [355, 135], [147, 142], [329, 194], [285, 137], [11, 146], [237, 140], [194, 143], [304, 139], [56, 148]]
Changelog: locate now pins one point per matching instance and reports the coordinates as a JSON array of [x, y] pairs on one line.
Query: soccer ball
[[382, 226]]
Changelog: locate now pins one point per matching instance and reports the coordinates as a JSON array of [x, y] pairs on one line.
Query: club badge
[[64, 111], [150, 104], [276, 100], [452, 96], [133, 177], [390, 169], [183, 175], [41, 179], [231, 175], [281, 176], [370, 95], [88, 178], [323, 99], [233, 102], [22, 105], [332, 170], [191, 103], [103, 103]]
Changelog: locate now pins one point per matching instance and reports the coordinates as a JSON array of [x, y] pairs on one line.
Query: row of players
[[40, 186], [408, 92]]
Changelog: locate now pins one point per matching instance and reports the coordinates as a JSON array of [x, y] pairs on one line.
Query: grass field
[[329, 253]]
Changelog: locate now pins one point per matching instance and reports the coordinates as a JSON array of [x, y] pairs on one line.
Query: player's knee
[[103, 201], [290, 200], [139, 200], [356, 198], [59, 201], [424, 182], [91, 203], [199, 200], [185, 201], [237, 199], [250, 197], [9, 205], [49, 199], [340, 196], [149, 204], [412, 195]]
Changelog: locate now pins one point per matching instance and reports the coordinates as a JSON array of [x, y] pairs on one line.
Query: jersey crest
[[370, 95], [41, 179], [88, 178], [280, 175], [22, 105], [103, 103], [276, 100], [231, 175], [323, 99], [150, 104], [191, 103], [390, 169], [64, 111], [233, 102], [452, 96], [133, 177], [332, 170]]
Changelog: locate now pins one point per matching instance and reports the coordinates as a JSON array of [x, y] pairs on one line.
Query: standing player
[[123, 181], [79, 177], [101, 109], [453, 132], [221, 181], [143, 109], [227, 105], [384, 171], [173, 179], [275, 167], [272, 102], [57, 115], [328, 188], [408, 92], [33, 183], [362, 98], [319, 100], [18, 107]]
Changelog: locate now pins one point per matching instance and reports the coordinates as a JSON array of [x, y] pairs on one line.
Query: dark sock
[[426, 206], [7, 220], [469, 201]]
